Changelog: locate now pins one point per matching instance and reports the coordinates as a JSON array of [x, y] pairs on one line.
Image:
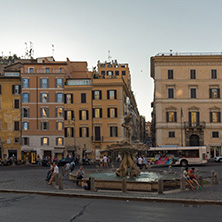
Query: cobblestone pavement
[[31, 178]]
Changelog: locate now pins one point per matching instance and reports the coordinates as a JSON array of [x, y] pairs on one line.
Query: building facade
[[42, 108], [10, 121], [187, 104]]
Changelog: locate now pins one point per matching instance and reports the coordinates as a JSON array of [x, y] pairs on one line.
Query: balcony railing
[[97, 139], [194, 125]]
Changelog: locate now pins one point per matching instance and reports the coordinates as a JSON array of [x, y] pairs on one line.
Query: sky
[[132, 30]]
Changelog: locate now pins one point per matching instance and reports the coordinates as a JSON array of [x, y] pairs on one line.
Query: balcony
[[96, 138], [197, 125], [44, 71]]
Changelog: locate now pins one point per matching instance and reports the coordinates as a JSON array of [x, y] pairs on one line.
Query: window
[[60, 70], [31, 70], [59, 97], [83, 97], [97, 113], [171, 117], [16, 125], [25, 83], [0, 89], [44, 97], [69, 98], [109, 73], [59, 141], [47, 70], [170, 74], [97, 94], [213, 74], [83, 115], [214, 93], [15, 89], [59, 125], [44, 83], [44, 141], [25, 112], [123, 73], [58, 83], [112, 112], [111, 94], [113, 131], [192, 74], [16, 103], [83, 132], [194, 117], [25, 126], [193, 93], [25, 141], [171, 134], [69, 132], [103, 73], [116, 73], [215, 117], [59, 112], [170, 93], [16, 140], [25, 97], [44, 125], [44, 112], [215, 134], [69, 115]]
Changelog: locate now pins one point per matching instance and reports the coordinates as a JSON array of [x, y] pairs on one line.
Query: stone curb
[[116, 197]]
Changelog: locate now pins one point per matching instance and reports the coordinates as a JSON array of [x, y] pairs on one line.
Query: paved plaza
[[31, 178]]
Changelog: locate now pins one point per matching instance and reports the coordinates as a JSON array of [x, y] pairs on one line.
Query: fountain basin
[[147, 181]]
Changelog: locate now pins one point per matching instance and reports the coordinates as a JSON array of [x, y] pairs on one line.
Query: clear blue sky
[[133, 30]]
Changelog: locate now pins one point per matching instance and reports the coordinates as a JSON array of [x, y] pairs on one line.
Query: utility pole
[[181, 119]]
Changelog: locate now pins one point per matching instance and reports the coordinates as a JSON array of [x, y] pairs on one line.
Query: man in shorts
[[192, 176]]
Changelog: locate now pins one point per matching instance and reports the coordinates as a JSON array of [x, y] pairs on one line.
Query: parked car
[[218, 158], [64, 161]]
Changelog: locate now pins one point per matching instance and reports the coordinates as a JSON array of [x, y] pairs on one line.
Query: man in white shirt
[[55, 172], [105, 161]]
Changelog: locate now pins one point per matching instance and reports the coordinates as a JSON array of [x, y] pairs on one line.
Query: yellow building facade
[[10, 119]]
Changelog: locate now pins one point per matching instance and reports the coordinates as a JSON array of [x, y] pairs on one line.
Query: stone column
[[160, 186], [124, 185], [182, 183]]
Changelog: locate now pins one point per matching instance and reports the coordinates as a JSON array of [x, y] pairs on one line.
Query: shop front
[[29, 156], [215, 151]]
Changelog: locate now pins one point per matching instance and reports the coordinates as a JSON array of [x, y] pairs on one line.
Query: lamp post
[[181, 119]]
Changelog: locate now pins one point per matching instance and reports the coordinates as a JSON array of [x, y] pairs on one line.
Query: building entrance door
[[194, 140]]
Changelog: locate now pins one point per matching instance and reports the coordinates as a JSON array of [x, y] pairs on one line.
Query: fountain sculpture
[[128, 150]]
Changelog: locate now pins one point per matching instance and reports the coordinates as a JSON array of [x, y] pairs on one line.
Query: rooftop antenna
[[109, 57], [31, 51], [53, 50], [26, 50]]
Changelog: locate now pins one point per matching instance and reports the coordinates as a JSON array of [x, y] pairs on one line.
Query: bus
[[177, 155]]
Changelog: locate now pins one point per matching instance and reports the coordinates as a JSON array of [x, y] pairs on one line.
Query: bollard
[[201, 181], [160, 186], [148, 167], [212, 176], [182, 183], [124, 186], [216, 179], [182, 169], [170, 168], [60, 182], [92, 184], [56, 179]]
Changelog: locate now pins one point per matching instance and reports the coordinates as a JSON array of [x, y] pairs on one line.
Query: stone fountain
[[128, 150]]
